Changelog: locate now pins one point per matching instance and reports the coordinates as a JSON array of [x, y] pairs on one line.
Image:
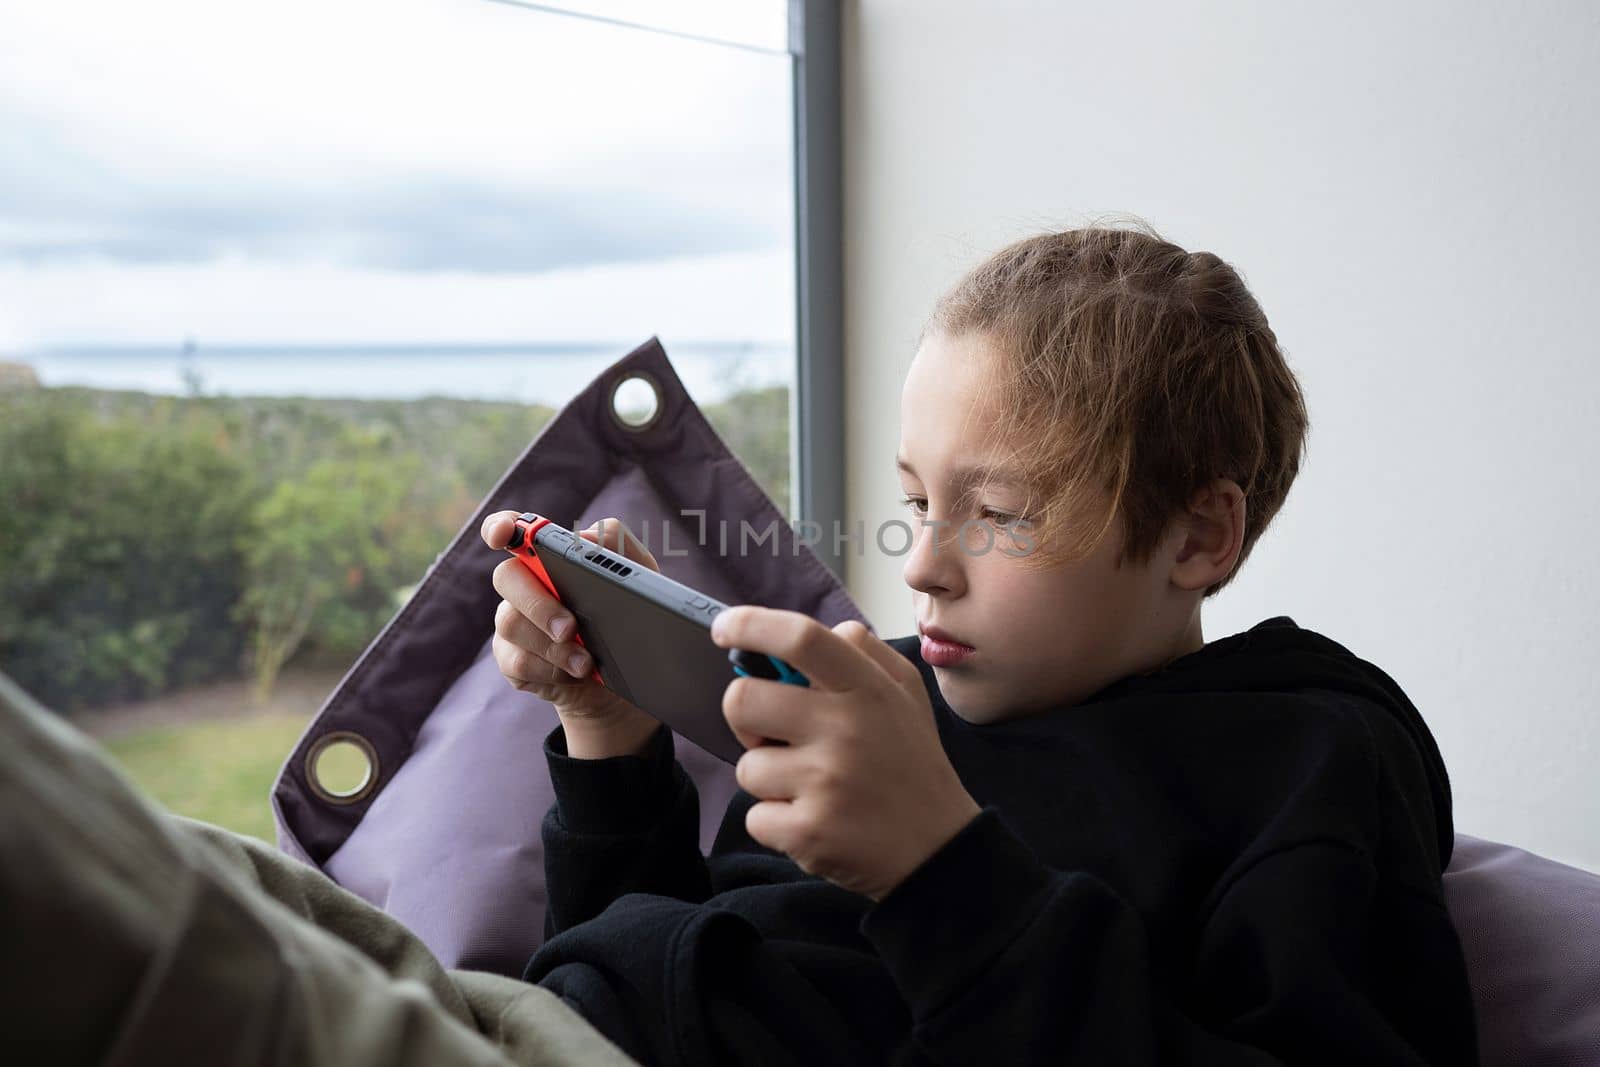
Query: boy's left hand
[[862, 793]]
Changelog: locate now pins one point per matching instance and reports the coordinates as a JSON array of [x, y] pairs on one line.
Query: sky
[[391, 171]]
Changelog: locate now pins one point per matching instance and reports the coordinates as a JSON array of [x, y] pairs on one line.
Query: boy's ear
[[1212, 535]]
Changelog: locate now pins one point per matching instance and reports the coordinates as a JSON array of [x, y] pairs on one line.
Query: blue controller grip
[[749, 664]]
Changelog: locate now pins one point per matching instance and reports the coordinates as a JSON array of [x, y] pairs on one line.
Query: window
[[287, 286]]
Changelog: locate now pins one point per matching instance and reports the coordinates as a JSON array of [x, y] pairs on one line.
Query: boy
[[1057, 826]]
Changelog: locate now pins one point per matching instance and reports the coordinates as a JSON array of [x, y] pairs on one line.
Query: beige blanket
[[132, 936]]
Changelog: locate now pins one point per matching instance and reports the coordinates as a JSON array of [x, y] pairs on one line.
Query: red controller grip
[[521, 546]]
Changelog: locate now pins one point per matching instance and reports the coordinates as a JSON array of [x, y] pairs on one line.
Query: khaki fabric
[[132, 936]]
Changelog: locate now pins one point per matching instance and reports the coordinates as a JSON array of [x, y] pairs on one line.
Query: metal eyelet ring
[[635, 401], [343, 747]]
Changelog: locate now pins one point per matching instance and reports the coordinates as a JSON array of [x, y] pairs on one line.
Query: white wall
[[1411, 191]]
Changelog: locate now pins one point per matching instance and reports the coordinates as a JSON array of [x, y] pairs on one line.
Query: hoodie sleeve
[[1005, 960], [626, 824]]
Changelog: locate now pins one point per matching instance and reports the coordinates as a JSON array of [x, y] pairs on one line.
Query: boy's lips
[[942, 649]]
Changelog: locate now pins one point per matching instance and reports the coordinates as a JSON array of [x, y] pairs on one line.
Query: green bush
[[328, 549], [148, 543], [121, 563]]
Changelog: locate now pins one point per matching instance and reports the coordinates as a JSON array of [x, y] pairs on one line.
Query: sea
[[546, 373]]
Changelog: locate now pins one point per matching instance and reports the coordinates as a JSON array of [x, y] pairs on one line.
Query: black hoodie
[[1233, 860]]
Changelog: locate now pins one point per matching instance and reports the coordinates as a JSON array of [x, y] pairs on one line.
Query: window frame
[[817, 403]]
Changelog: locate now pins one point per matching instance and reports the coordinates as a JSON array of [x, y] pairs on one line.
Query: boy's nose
[[934, 564]]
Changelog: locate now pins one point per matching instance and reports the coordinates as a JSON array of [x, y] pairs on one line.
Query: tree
[[327, 550]]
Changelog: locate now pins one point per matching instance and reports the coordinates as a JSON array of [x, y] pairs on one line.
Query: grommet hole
[[342, 767], [636, 402]]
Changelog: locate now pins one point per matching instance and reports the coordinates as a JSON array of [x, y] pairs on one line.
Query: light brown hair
[[1129, 374]]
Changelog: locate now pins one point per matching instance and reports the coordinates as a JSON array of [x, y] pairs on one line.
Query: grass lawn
[[219, 770]]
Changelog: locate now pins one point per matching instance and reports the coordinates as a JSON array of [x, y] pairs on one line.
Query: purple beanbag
[[1530, 930], [443, 832]]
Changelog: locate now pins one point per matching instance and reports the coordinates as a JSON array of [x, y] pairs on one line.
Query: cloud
[[416, 222], [412, 136]]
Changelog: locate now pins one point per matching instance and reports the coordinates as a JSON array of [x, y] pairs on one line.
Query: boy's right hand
[[536, 649]]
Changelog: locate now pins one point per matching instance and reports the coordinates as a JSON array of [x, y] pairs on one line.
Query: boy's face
[[1039, 638]]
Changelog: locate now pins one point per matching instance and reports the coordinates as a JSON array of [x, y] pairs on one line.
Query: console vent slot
[[620, 569]]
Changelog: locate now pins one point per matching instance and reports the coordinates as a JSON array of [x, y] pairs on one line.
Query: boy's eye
[[1000, 518]]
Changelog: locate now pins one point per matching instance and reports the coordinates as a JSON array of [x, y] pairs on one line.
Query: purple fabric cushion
[[446, 839], [1530, 931]]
